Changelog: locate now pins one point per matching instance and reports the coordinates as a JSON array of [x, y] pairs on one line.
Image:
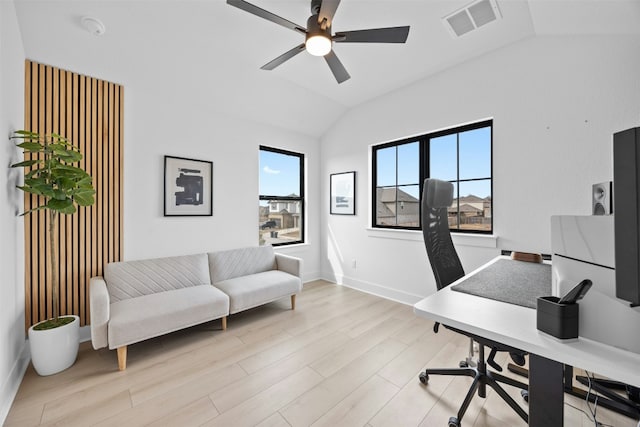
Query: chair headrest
[[437, 194]]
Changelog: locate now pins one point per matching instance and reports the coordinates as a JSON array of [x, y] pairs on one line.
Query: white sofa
[[138, 300]]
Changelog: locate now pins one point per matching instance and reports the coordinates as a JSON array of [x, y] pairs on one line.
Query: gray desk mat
[[514, 282]]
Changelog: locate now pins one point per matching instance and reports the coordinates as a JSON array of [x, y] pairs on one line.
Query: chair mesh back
[[437, 196]]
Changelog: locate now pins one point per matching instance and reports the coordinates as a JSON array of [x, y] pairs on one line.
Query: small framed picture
[[343, 193], [188, 187]]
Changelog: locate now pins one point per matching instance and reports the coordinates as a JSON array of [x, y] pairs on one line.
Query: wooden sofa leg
[[293, 302], [224, 323], [122, 358]]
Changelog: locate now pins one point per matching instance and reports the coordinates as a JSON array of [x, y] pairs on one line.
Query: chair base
[[481, 379]]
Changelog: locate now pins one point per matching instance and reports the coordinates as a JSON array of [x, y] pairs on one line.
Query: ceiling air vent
[[472, 16]]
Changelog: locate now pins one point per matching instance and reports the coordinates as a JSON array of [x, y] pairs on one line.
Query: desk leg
[[546, 394]]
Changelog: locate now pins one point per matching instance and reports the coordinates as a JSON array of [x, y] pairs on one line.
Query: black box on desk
[[558, 320]]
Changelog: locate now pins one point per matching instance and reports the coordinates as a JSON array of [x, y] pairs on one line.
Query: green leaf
[[28, 189], [66, 183], [44, 189], [85, 181], [25, 134], [84, 197], [30, 146], [63, 206], [59, 195], [24, 164]]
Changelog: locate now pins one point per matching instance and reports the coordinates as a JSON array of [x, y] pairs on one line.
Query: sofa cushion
[[257, 289], [131, 279], [136, 319], [234, 263]]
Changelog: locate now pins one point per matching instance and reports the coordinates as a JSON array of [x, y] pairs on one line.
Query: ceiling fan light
[[318, 45]]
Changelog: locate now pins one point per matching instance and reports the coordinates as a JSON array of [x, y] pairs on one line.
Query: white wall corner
[[375, 289]]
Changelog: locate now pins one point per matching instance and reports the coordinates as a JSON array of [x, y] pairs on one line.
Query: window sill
[[296, 247], [476, 240]]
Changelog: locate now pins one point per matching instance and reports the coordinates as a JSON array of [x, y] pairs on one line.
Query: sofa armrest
[[99, 309], [289, 264]]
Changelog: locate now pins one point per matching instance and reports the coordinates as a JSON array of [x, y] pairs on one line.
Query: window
[[461, 156], [281, 212]]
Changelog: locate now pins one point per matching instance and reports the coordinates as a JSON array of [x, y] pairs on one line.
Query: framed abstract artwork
[[343, 193], [188, 187]]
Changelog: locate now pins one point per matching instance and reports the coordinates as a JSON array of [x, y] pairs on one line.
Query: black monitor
[[626, 211]]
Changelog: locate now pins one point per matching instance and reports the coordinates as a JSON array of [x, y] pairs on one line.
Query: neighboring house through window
[[281, 211], [461, 155]]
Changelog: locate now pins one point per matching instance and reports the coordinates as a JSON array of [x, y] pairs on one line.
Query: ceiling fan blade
[[338, 70], [282, 58], [374, 35], [327, 10], [255, 10]]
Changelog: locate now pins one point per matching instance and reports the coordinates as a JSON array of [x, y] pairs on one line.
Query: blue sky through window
[[475, 162], [279, 174]]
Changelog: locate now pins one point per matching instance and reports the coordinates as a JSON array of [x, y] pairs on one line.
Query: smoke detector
[[471, 17], [93, 25]]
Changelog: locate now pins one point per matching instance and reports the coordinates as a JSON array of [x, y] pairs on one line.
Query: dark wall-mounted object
[[626, 185], [601, 198]]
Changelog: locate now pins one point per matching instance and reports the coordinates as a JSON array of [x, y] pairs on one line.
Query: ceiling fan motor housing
[[315, 6], [314, 28]]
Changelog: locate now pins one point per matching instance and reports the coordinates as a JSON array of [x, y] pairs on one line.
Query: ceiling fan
[[318, 38]]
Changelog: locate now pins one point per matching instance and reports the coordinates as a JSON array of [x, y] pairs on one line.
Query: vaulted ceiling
[[222, 48]]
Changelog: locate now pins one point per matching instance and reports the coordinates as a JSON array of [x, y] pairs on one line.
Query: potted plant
[[50, 174]]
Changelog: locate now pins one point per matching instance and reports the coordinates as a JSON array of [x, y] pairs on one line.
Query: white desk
[[516, 326]]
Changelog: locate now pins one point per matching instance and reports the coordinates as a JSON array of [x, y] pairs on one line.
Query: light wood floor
[[342, 358]]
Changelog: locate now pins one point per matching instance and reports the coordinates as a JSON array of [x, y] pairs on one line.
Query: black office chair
[[437, 196]]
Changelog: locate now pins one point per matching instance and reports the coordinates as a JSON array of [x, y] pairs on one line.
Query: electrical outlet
[[353, 263]]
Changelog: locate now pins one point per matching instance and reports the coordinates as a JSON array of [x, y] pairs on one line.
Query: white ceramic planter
[[54, 350]]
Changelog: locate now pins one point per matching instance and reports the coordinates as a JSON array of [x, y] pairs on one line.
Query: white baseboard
[[12, 384], [375, 289], [310, 277], [84, 334]]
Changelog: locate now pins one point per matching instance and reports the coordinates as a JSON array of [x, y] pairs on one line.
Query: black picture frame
[[188, 187], [342, 197]]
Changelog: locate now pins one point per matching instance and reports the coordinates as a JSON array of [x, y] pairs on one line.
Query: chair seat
[[256, 289], [137, 319]]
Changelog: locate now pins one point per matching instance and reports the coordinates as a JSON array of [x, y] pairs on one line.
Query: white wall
[[555, 102], [185, 122], [12, 338]]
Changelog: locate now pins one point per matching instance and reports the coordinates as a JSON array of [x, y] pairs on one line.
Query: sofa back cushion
[[130, 279], [241, 262]]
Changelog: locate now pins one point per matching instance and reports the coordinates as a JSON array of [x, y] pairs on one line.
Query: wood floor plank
[[412, 403], [193, 414], [343, 357], [358, 407], [313, 404], [339, 358], [275, 420], [271, 355], [174, 400], [244, 389], [264, 404], [97, 411], [410, 362]]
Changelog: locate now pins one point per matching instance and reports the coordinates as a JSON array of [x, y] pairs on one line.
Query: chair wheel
[[424, 378], [463, 364], [525, 395], [453, 422]]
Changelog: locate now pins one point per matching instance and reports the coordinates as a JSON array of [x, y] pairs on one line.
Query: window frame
[[300, 199], [424, 172]]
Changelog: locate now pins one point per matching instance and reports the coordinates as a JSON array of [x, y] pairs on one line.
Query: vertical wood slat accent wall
[[88, 112]]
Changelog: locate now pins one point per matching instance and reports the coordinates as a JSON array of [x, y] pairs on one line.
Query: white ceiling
[[215, 50]]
